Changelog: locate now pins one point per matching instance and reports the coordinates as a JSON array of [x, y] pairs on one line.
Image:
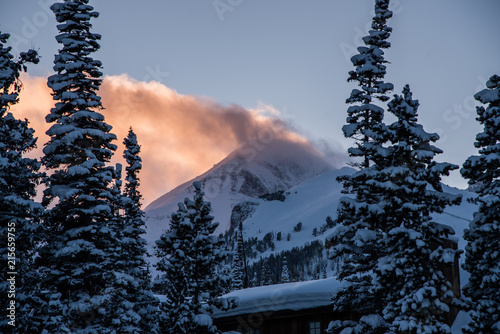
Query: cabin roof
[[278, 297]]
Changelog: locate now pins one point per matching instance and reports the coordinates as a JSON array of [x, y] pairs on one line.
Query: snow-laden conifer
[[394, 254], [188, 255], [360, 216], [133, 307], [482, 258], [19, 213], [364, 116], [238, 267], [357, 241], [285, 275], [77, 260], [267, 275], [416, 294]]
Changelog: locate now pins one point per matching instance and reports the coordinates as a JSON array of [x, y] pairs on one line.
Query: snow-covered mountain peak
[[252, 170]]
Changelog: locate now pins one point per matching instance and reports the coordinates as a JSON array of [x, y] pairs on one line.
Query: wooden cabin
[[290, 308]]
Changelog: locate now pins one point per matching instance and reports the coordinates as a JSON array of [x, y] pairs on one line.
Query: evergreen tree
[[285, 276], [365, 117], [267, 275], [173, 261], [225, 273], [132, 308], [19, 213], [188, 255], [361, 217], [410, 276], [482, 258], [238, 270], [388, 218], [77, 260], [394, 251]]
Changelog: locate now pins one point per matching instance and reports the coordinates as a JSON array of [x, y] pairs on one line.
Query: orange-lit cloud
[[180, 136]]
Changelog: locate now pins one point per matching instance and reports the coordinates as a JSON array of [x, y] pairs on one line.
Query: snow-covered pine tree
[[238, 268], [173, 261], [133, 307], [357, 240], [482, 258], [285, 276], [365, 116], [188, 254], [19, 213], [224, 272], [267, 275], [76, 261], [410, 278], [133, 213]]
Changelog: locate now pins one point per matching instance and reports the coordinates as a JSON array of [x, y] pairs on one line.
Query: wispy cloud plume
[[181, 136]]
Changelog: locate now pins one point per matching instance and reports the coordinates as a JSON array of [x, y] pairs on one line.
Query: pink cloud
[[181, 136]]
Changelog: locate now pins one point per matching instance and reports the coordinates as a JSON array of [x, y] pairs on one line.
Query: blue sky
[[292, 55]]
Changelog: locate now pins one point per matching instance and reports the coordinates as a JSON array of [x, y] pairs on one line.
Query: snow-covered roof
[[295, 297], [287, 296]]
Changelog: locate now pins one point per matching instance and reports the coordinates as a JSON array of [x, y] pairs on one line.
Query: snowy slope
[[243, 175], [309, 203], [313, 200]]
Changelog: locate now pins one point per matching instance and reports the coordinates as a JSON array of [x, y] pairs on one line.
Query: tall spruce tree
[[482, 258], [365, 117], [238, 268], [171, 250], [77, 260], [394, 256], [361, 217], [189, 254], [415, 292], [19, 213], [133, 307]]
